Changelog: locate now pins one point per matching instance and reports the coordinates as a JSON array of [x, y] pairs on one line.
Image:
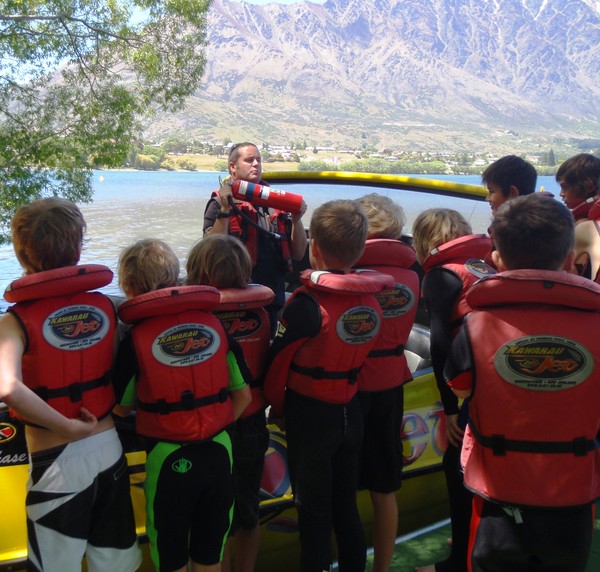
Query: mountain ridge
[[441, 74]]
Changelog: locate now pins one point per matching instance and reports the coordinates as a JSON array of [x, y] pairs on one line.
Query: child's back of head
[[47, 234], [148, 264], [219, 260], [386, 218], [435, 227], [533, 231], [340, 229]]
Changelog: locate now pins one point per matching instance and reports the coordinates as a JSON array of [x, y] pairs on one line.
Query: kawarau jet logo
[[358, 325], [396, 301], [544, 363], [240, 324], [186, 345], [76, 327]]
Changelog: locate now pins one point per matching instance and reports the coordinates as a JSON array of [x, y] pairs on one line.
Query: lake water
[[129, 205]]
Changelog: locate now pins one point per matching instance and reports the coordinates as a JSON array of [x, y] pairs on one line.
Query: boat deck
[[430, 544]]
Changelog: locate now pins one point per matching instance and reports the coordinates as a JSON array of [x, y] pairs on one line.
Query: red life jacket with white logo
[[70, 337], [463, 256], [534, 431], [181, 349], [247, 233], [586, 208], [386, 366], [242, 313], [326, 367]]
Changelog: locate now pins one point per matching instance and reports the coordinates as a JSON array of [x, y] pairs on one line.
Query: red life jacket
[[534, 431], [242, 313], [70, 337], [594, 212], [387, 367], [247, 233], [326, 367], [583, 209], [181, 349], [463, 256]]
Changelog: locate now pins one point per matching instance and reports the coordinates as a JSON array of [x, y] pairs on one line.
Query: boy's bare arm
[[240, 399], [18, 396]]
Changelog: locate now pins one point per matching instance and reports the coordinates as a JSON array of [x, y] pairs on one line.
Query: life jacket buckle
[[498, 444], [580, 447], [75, 392], [187, 400], [162, 407]]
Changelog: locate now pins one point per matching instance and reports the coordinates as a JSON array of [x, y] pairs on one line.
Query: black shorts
[[548, 539], [189, 501], [250, 443], [381, 458]]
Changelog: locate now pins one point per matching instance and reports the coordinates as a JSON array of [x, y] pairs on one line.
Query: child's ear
[[569, 264], [314, 248], [513, 192], [498, 262]]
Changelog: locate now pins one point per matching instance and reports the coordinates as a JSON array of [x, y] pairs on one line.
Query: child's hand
[[454, 433], [83, 426]]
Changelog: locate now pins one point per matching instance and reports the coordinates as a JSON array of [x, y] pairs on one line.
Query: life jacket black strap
[[187, 402], [388, 352], [74, 391], [500, 445], [320, 373]]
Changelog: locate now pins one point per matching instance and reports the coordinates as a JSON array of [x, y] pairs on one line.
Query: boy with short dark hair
[[507, 178], [525, 357], [325, 334], [180, 370], [579, 180], [58, 341]]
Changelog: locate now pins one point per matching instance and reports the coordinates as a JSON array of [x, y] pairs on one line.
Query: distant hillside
[[504, 75]]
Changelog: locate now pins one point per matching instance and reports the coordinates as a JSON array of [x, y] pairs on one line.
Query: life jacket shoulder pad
[[464, 247], [535, 287], [387, 252], [594, 213], [253, 296], [168, 301], [58, 282], [357, 282]]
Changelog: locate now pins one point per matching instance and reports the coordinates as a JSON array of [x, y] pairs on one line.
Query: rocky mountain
[[420, 74]]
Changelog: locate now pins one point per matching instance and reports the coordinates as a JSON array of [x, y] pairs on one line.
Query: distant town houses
[[303, 155]]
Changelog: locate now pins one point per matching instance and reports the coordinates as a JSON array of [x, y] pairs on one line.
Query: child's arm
[[18, 396], [441, 289], [459, 367], [238, 389], [124, 380], [300, 321]]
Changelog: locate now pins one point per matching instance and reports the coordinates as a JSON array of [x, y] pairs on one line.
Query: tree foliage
[[76, 78]]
